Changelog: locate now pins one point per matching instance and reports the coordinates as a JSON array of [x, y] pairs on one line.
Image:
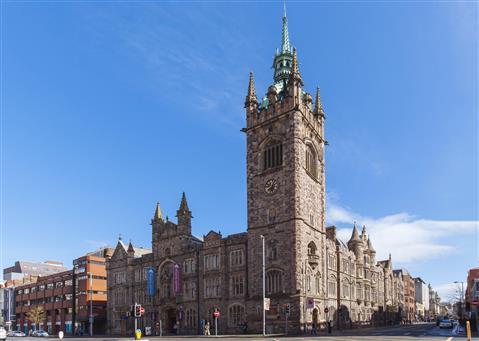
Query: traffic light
[[138, 310], [287, 309]]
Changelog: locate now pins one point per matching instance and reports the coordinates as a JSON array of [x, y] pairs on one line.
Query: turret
[[184, 216], [355, 244], [372, 252], [363, 235]]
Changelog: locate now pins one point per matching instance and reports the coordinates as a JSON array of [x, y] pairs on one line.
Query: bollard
[[138, 334], [468, 327]]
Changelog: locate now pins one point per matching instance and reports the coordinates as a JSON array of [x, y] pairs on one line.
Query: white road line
[[449, 339]]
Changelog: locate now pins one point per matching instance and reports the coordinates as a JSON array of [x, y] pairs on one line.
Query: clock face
[[271, 186]]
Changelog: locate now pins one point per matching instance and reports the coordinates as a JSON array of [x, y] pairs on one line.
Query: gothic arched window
[[274, 282], [317, 282], [166, 277], [236, 315], [311, 161], [272, 155], [312, 248], [272, 250]]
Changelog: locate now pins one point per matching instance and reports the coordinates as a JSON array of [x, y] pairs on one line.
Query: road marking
[[449, 339]]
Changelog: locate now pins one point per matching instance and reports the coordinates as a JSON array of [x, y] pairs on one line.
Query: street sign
[[216, 313], [326, 310], [267, 302]]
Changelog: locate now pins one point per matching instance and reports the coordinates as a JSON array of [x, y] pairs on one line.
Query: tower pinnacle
[[251, 95], [295, 75], [318, 106], [285, 47], [184, 204], [158, 215]]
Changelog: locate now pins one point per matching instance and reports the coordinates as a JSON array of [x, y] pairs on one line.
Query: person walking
[[207, 328]]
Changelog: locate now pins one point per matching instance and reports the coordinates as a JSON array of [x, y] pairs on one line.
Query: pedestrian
[[207, 328], [329, 327], [175, 328], [314, 329]]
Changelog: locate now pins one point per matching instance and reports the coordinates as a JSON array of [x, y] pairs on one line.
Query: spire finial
[[285, 47], [251, 95], [318, 106], [284, 5], [158, 215], [119, 236], [295, 75], [183, 204]]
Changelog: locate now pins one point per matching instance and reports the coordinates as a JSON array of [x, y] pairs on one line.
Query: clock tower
[[286, 194]]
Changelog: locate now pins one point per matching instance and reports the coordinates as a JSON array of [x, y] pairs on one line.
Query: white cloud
[[407, 237]]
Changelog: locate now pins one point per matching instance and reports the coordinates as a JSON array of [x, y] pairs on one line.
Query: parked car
[[40, 333], [3, 334], [445, 323], [438, 320], [16, 333]]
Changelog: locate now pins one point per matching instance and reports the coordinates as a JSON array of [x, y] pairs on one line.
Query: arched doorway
[[170, 321], [315, 316]]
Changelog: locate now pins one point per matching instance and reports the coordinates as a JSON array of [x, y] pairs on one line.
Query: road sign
[[326, 310], [216, 313], [267, 302]]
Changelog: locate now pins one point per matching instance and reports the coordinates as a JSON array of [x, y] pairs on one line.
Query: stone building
[[182, 279]]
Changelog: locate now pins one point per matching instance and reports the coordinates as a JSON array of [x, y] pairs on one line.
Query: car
[[40, 333], [445, 323], [3, 334], [15, 333]]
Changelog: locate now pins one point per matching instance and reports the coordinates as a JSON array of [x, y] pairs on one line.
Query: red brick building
[[472, 297], [65, 297]]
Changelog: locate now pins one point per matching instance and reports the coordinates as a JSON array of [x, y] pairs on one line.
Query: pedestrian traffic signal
[[138, 310]]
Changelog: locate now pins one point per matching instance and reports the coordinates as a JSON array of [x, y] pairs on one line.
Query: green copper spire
[[285, 37], [283, 58]]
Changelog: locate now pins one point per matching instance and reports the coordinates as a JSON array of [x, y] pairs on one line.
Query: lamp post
[[264, 288], [91, 303], [74, 297], [461, 299]]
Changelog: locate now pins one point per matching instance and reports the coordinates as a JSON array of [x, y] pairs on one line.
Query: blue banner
[[151, 281]]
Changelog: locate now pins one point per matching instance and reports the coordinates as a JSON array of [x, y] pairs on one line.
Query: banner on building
[[309, 303], [176, 278], [151, 281]]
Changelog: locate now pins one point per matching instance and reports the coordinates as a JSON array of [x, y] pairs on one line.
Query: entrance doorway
[[316, 316], [170, 321]]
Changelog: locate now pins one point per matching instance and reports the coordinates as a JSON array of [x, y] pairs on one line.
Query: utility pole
[[91, 303], [264, 288]]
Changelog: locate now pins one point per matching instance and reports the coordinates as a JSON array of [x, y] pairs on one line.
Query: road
[[417, 332]]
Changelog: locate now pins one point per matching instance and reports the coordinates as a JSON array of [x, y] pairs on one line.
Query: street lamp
[[461, 299], [264, 288]]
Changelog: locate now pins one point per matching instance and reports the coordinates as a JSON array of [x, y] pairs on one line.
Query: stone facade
[[307, 269]]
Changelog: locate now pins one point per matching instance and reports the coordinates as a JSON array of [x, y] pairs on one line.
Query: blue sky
[[108, 108]]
